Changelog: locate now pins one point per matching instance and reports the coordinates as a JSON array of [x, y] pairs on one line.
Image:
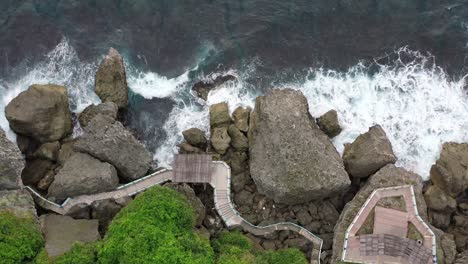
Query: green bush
[[282, 256], [157, 227], [79, 254], [20, 239]]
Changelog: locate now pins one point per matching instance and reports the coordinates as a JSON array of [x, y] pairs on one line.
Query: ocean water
[[400, 64]]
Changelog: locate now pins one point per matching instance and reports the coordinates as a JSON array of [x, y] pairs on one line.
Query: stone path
[[391, 224], [221, 183]]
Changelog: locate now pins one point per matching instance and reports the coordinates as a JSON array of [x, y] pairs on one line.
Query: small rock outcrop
[[329, 123], [41, 112], [35, 170], [109, 141], [19, 202], [104, 211], [437, 200], [61, 232], [11, 164], [83, 174], [368, 153], [203, 88], [195, 137], [291, 159], [111, 80], [239, 140], [450, 172], [48, 151], [219, 115], [108, 109]]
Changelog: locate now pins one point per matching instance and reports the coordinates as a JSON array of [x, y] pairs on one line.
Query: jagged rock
[[80, 211], [61, 232], [238, 140], [439, 220], [195, 137], [35, 170], [219, 115], [194, 201], [462, 258], [291, 160], [111, 81], [329, 123], [238, 162], [83, 174], [238, 181], [241, 118], [46, 181], [112, 143], [109, 109], [41, 112], [186, 148], [303, 217], [368, 153], [300, 243], [23, 142], [203, 88], [66, 151], [437, 200], [220, 140], [244, 198], [447, 244], [19, 202], [104, 211], [388, 176], [450, 172], [11, 164], [48, 151], [328, 213]]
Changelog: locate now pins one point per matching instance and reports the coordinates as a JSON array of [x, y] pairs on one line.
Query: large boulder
[[329, 123], [104, 211], [388, 176], [61, 232], [241, 118], [368, 153], [450, 173], [220, 140], [111, 80], [195, 137], [239, 140], [438, 200], [109, 141], [35, 170], [219, 115], [19, 202], [48, 151], [108, 109], [11, 164], [291, 159], [83, 174], [41, 112]]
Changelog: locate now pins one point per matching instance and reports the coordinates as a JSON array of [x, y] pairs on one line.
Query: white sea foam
[[150, 84], [60, 66]]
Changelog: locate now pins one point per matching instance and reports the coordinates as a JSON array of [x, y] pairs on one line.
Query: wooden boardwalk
[[221, 183], [391, 222]]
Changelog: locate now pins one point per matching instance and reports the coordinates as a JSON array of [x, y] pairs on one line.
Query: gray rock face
[[239, 141], [437, 200], [368, 153], [48, 151], [83, 174], [11, 164], [41, 112], [291, 160], [36, 170], [104, 211], [220, 140], [329, 123], [61, 232], [108, 109], [388, 176], [111, 80], [66, 151], [19, 202], [462, 258], [186, 148], [195, 137], [112, 143], [450, 173]]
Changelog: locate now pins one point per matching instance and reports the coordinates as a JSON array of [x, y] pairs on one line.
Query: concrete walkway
[[221, 183]]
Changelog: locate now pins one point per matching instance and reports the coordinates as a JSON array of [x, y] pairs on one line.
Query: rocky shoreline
[[284, 168]]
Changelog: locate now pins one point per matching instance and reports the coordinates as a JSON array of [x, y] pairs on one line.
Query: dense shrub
[[20, 239], [235, 248], [79, 254], [157, 227]]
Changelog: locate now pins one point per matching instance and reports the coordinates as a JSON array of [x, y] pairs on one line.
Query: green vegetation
[[20, 239], [157, 227], [235, 248], [413, 232], [367, 227], [79, 254]]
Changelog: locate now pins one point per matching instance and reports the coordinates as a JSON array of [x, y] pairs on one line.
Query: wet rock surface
[[329, 123], [11, 164]]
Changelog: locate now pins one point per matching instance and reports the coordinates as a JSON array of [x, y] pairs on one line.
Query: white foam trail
[[150, 84], [61, 66], [419, 108]]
